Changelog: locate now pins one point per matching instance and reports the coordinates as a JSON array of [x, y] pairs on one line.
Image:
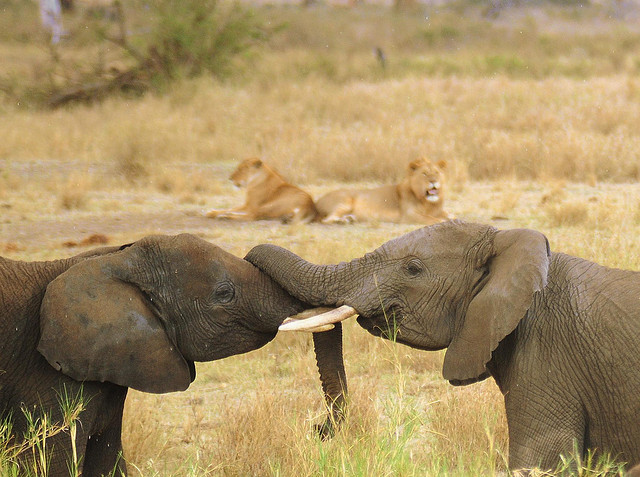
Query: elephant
[[559, 334], [136, 316]]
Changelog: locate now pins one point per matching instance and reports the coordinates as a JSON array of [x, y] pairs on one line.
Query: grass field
[[536, 112]]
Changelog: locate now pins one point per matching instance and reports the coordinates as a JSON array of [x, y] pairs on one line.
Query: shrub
[[185, 39], [192, 37]]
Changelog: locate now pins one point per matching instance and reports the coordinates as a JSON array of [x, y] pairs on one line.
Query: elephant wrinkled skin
[[560, 335], [135, 316]]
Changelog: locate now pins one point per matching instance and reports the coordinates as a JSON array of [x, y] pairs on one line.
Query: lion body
[[268, 196], [418, 198]]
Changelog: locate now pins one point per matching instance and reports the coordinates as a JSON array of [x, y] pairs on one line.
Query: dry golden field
[[540, 131]]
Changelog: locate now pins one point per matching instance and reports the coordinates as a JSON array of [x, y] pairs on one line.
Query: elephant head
[[454, 285], [141, 315], [554, 331]]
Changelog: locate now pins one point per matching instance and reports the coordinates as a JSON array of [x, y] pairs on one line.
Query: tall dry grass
[[251, 419], [540, 93], [254, 414], [486, 129]]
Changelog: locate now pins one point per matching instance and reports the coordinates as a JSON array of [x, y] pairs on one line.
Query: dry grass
[[317, 100], [573, 213], [484, 128], [540, 131], [73, 191], [254, 414]]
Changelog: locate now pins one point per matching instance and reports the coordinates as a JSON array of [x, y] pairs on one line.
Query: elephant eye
[[224, 293], [414, 267]]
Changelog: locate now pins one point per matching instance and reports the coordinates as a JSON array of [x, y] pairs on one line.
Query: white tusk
[[319, 329], [317, 319], [306, 314]]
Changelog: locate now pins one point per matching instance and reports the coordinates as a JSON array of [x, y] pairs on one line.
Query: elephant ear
[[517, 269], [97, 326]]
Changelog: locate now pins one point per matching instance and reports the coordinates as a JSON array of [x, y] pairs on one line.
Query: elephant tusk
[[317, 319], [320, 329]]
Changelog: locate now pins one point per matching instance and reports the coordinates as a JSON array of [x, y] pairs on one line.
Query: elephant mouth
[[240, 342], [322, 319], [192, 370], [382, 326], [369, 325], [258, 337]]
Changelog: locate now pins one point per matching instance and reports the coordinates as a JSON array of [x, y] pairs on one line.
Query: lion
[[269, 196], [418, 199]]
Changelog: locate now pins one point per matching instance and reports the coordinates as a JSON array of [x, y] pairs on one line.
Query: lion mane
[[418, 199]]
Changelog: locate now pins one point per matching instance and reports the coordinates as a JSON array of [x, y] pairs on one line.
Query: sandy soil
[[34, 225]]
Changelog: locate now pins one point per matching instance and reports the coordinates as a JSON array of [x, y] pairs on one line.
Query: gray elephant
[[560, 335], [133, 316]]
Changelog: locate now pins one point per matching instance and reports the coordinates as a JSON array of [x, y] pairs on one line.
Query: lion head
[[426, 180], [246, 171]]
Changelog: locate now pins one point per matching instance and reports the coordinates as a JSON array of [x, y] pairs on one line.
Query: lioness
[[417, 199], [269, 196]]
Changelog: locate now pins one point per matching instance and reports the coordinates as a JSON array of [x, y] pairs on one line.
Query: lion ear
[[257, 163], [442, 164], [415, 164]]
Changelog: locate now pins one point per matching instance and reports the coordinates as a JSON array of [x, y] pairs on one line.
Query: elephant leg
[[541, 431], [328, 349], [103, 455]]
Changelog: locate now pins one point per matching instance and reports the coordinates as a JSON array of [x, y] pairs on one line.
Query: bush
[[192, 37], [182, 39]]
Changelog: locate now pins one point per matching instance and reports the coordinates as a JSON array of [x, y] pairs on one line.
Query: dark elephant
[[135, 316], [560, 335]]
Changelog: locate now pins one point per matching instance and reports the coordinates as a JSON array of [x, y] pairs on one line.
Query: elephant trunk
[[317, 285], [328, 349]]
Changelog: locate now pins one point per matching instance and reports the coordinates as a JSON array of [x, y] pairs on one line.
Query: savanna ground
[[536, 111]]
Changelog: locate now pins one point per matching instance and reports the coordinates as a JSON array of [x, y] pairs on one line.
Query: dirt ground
[[34, 223], [33, 219]]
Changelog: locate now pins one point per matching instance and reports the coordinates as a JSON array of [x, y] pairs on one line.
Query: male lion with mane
[[418, 199], [269, 196]]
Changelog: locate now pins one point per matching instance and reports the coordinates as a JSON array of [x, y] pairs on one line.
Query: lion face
[[426, 180], [247, 170]]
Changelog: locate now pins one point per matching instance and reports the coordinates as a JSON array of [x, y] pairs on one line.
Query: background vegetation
[[535, 107]]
